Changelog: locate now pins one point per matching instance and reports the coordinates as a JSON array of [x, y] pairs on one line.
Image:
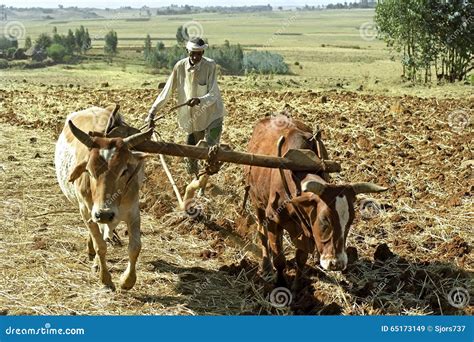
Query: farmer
[[194, 78]]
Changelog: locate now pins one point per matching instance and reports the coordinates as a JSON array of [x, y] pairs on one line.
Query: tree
[[79, 37], [182, 35], [56, 52], [27, 42], [158, 58], [111, 42], [70, 42], [429, 35], [43, 41], [86, 42], [7, 43], [147, 48]]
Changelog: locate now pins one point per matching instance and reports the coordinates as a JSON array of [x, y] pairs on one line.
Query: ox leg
[[90, 248], [101, 249], [301, 258], [275, 236], [129, 277], [265, 265]]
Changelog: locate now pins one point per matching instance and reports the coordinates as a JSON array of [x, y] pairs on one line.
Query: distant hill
[[61, 14]]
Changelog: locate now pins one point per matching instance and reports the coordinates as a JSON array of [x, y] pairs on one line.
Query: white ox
[[102, 175]]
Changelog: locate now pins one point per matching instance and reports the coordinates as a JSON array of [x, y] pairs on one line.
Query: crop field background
[[417, 140]]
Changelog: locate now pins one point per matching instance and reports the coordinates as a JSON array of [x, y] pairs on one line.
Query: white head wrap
[[191, 46]]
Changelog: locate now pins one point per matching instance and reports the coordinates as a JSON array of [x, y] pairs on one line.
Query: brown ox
[[102, 176], [327, 209]]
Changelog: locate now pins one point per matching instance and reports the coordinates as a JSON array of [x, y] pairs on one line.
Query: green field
[[324, 49]]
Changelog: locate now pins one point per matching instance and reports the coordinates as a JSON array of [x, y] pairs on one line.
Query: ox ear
[[141, 155], [78, 171], [313, 186], [365, 188], [114, 119]]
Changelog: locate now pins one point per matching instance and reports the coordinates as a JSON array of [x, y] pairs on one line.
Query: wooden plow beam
[[296, 159]]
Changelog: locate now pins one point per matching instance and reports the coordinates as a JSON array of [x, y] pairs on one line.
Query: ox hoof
[[109, 288], [91, 256], [126, 283], [108, 283], [268, 274], [281, 281], [266, 267], [115, 241], [95, 265], [297, 285]]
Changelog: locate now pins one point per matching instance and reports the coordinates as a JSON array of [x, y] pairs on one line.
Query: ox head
[[331, 209], [112, 166]]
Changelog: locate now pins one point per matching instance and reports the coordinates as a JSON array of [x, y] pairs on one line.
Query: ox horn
[[313, 186], [365, 188], [138, 138], [83, 137]]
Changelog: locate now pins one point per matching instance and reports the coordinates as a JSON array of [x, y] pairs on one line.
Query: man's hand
[[193, 102]]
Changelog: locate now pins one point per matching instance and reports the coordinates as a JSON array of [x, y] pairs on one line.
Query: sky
[[140, 3]]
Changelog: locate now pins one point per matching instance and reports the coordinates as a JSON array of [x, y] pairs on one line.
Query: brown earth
[[406, 257]]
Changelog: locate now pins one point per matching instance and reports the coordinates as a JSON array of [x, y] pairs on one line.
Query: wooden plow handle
[[296, 159]]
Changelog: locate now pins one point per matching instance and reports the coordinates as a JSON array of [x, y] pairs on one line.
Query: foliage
[[160, 58], [83, 40], [56, 52], [111, 41], [7, 42], [264, 62], [429, 35], [147, 49], [182, 35], [230, 57], [28, 43], [43, 41]]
